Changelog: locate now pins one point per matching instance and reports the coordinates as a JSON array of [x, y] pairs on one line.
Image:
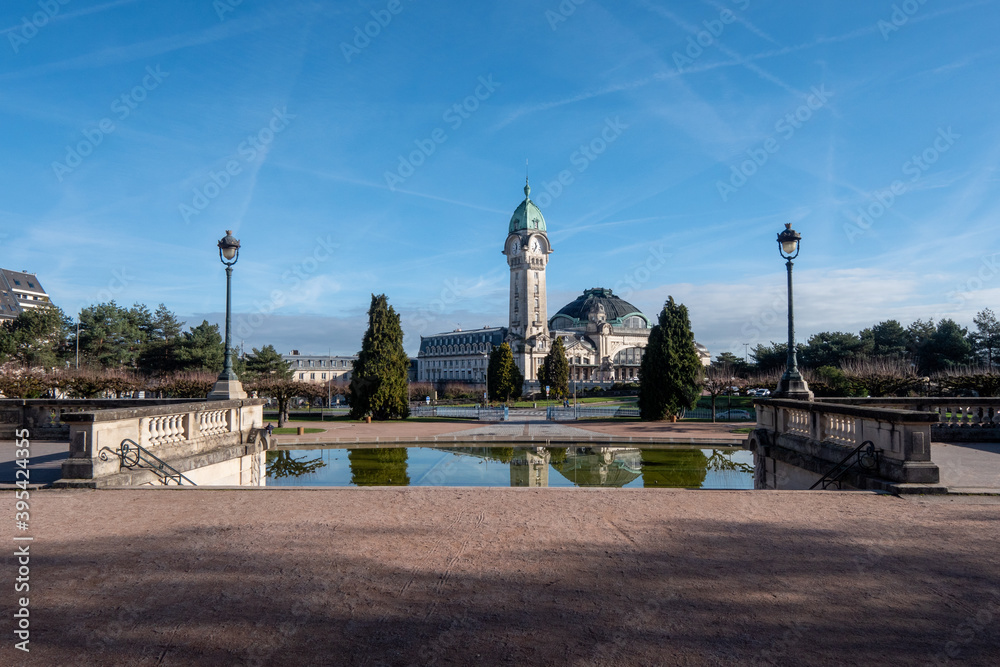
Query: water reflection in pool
[[509, 466]]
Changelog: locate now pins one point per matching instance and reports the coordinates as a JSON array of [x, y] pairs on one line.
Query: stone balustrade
[[958, 418], [211, 442], [804, 439]]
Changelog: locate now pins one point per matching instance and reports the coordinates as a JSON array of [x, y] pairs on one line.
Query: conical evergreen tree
[[557, 369], [504, 377], [379, 382], [671, 373]]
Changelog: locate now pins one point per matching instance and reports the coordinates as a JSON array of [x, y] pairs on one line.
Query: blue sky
[[685, 134]]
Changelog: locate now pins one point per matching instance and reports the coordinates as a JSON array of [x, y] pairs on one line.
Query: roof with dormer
[[527, 216]]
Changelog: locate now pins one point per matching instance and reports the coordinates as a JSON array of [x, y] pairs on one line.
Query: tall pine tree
[[557, 369], [505, 379], [379, 383], [671, 373]]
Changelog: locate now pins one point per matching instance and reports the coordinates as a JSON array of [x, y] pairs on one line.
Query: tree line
[[109, 336], [928, 347]]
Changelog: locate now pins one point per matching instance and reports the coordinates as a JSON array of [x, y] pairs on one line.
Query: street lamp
[[78, 326], [228, 386], [792, 384], [486, 377]]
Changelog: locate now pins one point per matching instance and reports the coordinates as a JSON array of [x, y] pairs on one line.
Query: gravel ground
[[422, 576]]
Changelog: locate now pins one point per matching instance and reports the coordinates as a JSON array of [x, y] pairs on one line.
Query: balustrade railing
[[213, 422], [841, 429], [797, 421], [953, 413], [165, 430]]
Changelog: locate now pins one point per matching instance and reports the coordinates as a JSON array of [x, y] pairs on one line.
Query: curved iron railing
[[131, 456], [866, 460]]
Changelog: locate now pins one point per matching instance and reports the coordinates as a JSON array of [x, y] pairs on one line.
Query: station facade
[[604, 335]]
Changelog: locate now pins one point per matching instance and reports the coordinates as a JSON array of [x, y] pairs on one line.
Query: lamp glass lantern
[[229, 249], [788, 241]]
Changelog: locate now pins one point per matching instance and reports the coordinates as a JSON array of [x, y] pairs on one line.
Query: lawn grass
[[295, 431]]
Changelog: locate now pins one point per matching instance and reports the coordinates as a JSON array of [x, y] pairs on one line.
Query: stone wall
[[815, 436], [207, 440], [43, 416]]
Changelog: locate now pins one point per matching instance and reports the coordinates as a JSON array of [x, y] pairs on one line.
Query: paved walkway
[[581, 577], [971, 467]]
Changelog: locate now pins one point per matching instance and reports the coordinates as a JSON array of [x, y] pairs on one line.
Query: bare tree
[[718, 378], [882, 376]]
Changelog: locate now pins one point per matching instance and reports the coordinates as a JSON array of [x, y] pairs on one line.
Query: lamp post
[[78, 342], [486, 378], [792, 384], [228, 386]]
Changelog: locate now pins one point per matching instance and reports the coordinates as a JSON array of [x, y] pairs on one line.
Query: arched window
[[630, 356]]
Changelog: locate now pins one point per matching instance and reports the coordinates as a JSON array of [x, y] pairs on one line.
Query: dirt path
[[506, 576]]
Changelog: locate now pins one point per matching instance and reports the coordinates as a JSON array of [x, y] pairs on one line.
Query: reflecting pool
[[623, 467]]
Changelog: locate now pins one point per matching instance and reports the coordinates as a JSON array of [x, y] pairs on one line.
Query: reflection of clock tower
[[527, 249]]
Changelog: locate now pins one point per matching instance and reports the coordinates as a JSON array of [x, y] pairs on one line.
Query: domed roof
[[594, 300], [527, 216]]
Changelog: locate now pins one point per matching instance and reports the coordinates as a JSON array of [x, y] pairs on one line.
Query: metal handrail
[[132, 455], [867, 460]]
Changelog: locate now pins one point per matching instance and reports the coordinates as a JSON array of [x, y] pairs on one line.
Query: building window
[[324, 376], [312, 376], [536, 303], [302, 376]]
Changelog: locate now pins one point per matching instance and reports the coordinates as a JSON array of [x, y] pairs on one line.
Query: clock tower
[[527, 249]]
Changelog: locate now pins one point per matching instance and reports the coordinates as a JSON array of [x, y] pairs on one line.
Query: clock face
[[535, 246], [513, 247]]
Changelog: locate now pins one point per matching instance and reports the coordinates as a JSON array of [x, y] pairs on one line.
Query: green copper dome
[[527, 216]]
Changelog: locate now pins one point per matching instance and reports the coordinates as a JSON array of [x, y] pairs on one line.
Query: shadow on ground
[[495, 584]]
